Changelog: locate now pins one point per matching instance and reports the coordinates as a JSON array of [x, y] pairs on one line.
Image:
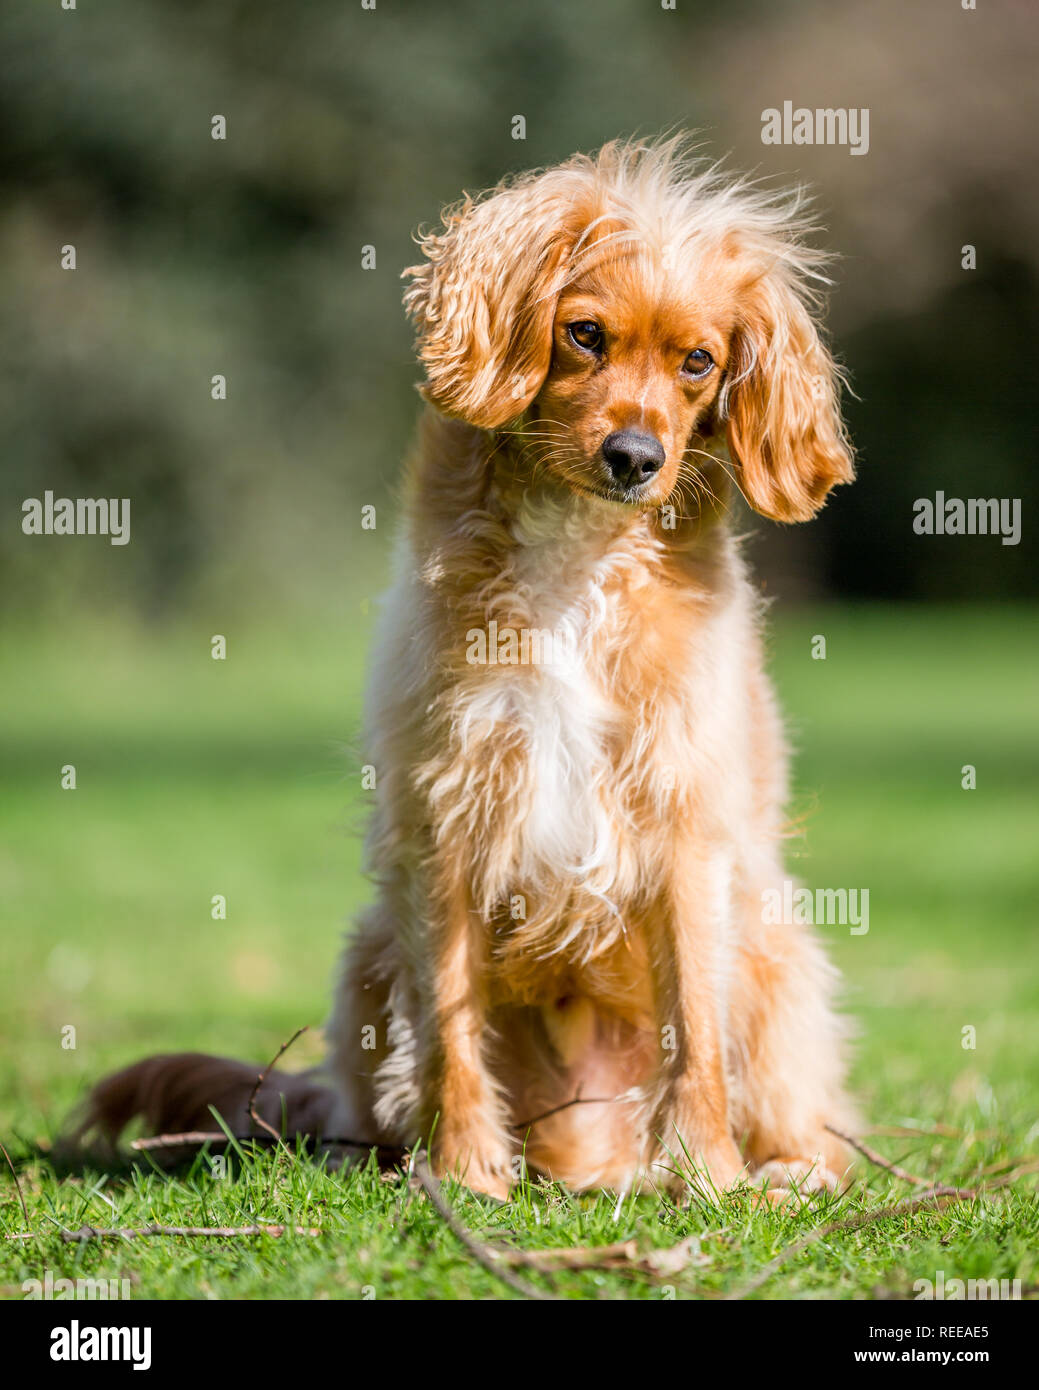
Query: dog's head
[[624, 312]]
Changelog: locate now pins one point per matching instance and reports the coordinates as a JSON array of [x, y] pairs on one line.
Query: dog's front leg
[[471, 1138], [692, 1114]]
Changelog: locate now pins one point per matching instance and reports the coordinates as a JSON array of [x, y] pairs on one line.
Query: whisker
[[724, 466]]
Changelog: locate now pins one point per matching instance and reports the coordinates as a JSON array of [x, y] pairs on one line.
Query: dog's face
[[638, 359], [622, 317]]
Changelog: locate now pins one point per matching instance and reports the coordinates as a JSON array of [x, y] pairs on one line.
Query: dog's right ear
[[484, 299]]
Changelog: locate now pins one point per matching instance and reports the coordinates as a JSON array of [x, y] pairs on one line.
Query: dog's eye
[[586, 334], [698, 364]]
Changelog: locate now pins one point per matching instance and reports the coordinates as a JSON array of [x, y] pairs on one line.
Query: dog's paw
[[485, 1171], [683, 1172], [482, 1178], [794, 1181]]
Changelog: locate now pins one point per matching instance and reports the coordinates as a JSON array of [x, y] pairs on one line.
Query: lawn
[[241, 778]]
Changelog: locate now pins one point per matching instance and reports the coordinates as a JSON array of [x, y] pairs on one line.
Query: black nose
[[633, 456]]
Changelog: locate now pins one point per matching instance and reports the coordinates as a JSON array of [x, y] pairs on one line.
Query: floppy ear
[[785, 431], [484, 300]]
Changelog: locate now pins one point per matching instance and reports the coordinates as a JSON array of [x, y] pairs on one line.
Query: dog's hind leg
[[373, 1055]]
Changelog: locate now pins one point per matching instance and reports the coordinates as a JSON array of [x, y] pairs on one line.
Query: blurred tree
[[347, 128]]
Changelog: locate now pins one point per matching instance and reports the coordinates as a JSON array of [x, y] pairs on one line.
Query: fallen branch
[[936, 1189], [623, 1255], [198, 1137], [192, 1137], [392, 1152], [577, 1100], [938, 1196], [851, 1223], [879, 1159], [17, 1184], [258, 1119], [136, 1232], [485, 1255]]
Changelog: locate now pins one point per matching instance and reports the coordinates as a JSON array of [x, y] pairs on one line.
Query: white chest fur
[[543, 687]]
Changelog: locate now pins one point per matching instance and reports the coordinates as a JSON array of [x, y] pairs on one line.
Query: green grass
[[241, 778]]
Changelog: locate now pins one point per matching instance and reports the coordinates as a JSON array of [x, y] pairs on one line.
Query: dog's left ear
[[782, 404], [484, 300]]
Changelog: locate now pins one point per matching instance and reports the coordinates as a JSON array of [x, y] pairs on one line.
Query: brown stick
[[217, 1136], [484, 1255], [256, 1119], [190, 1136], [879, 1159], [202, 1136], [136, 1232], [934, 1188], [206, 1136], [938, 1196], [577, 1100], [17, 1184], [623, 1254]]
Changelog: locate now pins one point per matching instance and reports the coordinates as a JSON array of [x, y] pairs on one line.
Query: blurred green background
[[242, 257]]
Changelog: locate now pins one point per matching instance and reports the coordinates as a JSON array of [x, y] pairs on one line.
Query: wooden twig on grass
[[391, 1152], [197, 1137], [937, 1196], [136, 1232], [192, 1137], [934, 1188], [17, 1185], [879, 1159], [485, 1255], [623, 1255], [546, 1114], [258, 1119], [850, 1223]]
